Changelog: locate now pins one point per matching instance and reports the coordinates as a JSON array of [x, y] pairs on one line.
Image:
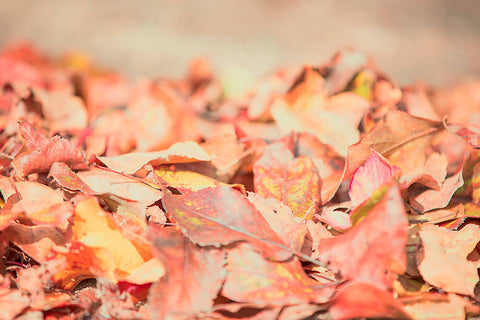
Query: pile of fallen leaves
[[324, 192]]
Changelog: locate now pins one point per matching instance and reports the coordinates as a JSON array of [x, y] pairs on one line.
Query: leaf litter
[[324, 192]]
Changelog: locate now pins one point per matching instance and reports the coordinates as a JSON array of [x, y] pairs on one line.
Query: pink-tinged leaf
[[375, 172], [251, 278], [13, 302], [42, 152], [293, 181], [221, 216], [336, 219], [180, 152], [372, 251], [363, 300], [193, 279], [443, 260]]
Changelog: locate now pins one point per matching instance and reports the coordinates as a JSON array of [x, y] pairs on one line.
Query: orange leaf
[[293, 181]]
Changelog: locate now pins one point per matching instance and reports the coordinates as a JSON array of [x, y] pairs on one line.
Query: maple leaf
[[443, 260], [42, 152], [293, 181], [373, 250], [193, 277]]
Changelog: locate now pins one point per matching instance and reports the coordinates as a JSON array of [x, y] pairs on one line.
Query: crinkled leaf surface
[[42, 152]]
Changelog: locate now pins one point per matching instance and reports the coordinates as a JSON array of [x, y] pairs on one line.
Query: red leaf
[[362, 300], [221, 216], [373, 250], [193, 279], [42, 152]]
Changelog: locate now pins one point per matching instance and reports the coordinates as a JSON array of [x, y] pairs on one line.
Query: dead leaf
[[272, 283], [180, 152], [358, 300], [443, 262], [222, 216], [293, 181], [375, 172], [42, 152], [372, 251], [193, 278]]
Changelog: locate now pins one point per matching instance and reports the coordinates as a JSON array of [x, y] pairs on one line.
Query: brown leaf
[[399, 137]]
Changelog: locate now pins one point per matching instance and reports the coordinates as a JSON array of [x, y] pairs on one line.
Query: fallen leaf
[[436, 306], [222, 216], [42, 152], [180, 152], [372, 251], [443, 262], [193, 278], [375, 172], [293, 181], [281, 220], [363, 300], [251, 278]]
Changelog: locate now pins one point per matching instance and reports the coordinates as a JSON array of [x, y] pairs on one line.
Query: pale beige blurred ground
[[434, 40]]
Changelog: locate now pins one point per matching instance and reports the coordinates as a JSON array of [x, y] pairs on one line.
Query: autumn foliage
[[325, 192]]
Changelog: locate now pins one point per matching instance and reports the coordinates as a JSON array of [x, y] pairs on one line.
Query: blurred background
[[433, 40]]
